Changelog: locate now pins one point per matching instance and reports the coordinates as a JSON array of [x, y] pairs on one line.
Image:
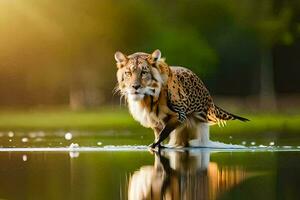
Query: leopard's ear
[[156, 55], [121, 59], [159, 64]]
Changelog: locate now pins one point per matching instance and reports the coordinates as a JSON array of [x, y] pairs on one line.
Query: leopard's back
[[187, 94]]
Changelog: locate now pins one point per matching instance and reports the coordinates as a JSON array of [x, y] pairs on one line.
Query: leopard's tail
[[223, 115]]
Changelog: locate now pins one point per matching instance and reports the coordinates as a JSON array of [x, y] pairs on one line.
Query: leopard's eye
[[128, 73], [144, 73]]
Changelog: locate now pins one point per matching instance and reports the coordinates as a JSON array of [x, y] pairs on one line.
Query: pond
[[99, 166]]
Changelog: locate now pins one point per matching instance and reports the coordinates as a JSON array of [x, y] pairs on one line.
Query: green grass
[[118, 119], [63, 119]]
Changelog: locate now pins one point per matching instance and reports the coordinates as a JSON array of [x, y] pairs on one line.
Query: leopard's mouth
[[134, 93], [136, 96]]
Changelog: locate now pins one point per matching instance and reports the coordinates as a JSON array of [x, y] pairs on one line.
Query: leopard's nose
[[136, 86]]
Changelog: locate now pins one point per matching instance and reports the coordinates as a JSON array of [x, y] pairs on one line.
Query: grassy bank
[[118, 119]]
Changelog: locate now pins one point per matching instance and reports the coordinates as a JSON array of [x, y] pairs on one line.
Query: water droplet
[[24, 158], [253, 143], [272, 143], [25, 139], [68, 136], [244, 143], [99, 143], [10, 134]]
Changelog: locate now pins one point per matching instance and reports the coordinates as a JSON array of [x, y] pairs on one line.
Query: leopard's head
[[141, 74]]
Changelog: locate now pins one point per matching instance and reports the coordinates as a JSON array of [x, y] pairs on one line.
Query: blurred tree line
[[61, 52]]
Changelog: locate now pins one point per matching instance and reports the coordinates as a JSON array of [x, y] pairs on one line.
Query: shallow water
[[191, 174], [111, 137], [44, 166]]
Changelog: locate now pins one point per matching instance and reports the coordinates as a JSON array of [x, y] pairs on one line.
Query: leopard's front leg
[[171, 124], [157, 129]]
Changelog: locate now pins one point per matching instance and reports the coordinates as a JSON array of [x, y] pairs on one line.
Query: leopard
[[171, 100]]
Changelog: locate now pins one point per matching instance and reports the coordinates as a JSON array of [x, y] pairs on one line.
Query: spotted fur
[[188, 97]]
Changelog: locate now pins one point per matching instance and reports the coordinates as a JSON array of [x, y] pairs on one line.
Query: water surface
[[44, 166]]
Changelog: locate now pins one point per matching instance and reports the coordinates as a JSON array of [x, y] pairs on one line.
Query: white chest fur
[[140, 113]]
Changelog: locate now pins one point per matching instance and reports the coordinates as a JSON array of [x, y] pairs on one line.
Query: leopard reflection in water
[[183, 175]]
